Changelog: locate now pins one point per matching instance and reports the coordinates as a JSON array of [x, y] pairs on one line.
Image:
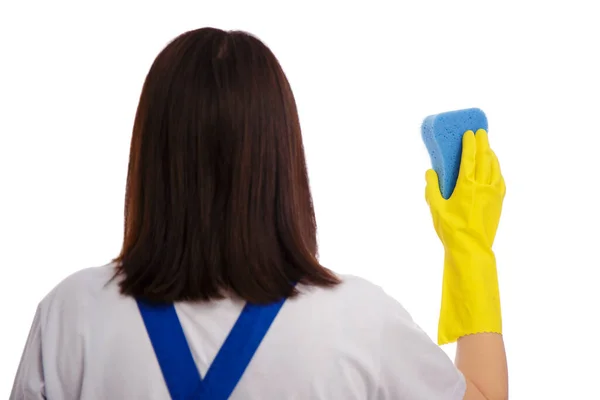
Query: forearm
[[473, 310], [482, 360], [470, 293]]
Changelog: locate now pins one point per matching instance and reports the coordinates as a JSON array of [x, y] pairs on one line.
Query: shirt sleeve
[[412, 366], [29, 381]]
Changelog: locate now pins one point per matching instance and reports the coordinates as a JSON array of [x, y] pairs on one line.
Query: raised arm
[[466, 224]]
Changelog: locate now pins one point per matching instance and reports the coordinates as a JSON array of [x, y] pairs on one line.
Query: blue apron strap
[[171, 348], [175, 358], [236, 353]]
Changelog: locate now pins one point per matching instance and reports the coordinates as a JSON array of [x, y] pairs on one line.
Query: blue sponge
[[442, 134]]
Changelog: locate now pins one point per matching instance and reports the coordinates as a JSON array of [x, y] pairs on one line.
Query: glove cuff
[[470, 294]]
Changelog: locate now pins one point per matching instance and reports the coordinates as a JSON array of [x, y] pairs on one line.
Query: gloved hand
[[466, 224]]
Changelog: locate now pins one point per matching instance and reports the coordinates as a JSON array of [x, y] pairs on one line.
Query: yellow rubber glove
[[466, 224]]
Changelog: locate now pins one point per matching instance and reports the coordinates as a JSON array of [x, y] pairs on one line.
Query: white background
[[364, 77]]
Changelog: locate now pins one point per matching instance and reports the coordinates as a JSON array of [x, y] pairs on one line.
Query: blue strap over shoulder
[[177, 363]]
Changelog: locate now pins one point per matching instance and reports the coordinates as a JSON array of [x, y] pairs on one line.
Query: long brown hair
[[218, 199]]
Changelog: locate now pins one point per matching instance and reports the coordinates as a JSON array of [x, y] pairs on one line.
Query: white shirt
[[351, 342]]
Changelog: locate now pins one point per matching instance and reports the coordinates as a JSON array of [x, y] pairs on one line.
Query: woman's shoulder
[[78, 288], [356, 298], [360, 289], [351, 288]]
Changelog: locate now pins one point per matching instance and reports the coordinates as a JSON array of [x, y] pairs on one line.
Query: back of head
[[218, 201]]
